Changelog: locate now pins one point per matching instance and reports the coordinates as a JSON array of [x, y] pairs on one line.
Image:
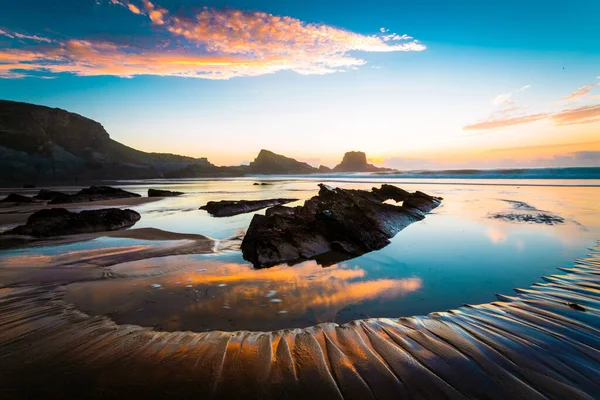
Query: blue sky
[[479, 83]]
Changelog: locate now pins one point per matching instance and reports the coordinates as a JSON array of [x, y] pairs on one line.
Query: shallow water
[[457, 255]]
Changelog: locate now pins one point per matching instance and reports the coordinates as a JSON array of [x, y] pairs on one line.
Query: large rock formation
[[227, 208], [268, 162], [58, 222], [337, 224], [93, 193], [356, 161], [42, 144]]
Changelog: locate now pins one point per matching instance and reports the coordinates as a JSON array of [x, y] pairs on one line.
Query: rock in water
[[16, 198], [46, 194], [391, 192], [59, 222], [337, 221], [163, 193], [227, 208], [94, 193]]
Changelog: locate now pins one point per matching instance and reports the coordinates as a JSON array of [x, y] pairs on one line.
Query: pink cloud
[[504, 122], [581, 115], [211, 44], [581, 92], [156, 14]]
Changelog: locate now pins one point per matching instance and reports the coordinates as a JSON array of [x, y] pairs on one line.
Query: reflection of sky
[[456, 255], [225, 294]]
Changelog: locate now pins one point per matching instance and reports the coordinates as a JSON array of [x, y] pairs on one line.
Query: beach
[[174, 290]]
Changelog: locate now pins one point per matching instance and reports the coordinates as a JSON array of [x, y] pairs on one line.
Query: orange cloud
[[581, 115], [505, 122], [134, 9], [212, 44], [156, 15], [581, 92]]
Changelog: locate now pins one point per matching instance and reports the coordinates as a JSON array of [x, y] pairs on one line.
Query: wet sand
[[93, 264], [541, 343], [12, 213]]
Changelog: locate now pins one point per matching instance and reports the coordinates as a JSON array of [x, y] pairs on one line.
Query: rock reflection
[[230, 296]]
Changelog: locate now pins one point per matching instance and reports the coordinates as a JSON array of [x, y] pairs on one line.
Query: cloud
[[581, 92], [524, 88], [156, 14], [502, 99], [17, 35], [134, 9], [210, 44], [518, 157], [505, 122], [581, 115]]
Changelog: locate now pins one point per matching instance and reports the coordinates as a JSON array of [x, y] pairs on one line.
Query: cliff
[[42, 144], [268, 162]]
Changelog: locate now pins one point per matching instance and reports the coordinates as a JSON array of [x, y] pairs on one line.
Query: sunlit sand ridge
[[540, 343]]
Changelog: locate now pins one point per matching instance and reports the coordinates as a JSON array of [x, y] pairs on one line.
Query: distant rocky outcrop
[[337, 224], [42, 144], [268, 162], [93, 193], [324, 169], [48, 195], [59, 221], [163, 193], [17, 198], [227, 208], [356, 161]]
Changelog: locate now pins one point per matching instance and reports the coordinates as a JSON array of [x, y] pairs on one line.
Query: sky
[[416, 85]]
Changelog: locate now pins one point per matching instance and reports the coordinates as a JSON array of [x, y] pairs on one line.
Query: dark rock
[[421, 201], [163, 193], [59, 221], [523, 212], [268, 162], [337, 221], [47, 195], [16, 198], [324, 169], [535, 218], [227, 208], [94, 193], [356, 161], [262, 184], [41, 144], [28, 186], [391, 192]]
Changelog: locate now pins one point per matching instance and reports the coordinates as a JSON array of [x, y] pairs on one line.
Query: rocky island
[[343, 221], [356, 161], [59, 221]]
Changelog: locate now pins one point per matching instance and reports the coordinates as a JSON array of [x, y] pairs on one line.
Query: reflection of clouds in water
[[496, 234], [324, 295], [303, 291]]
